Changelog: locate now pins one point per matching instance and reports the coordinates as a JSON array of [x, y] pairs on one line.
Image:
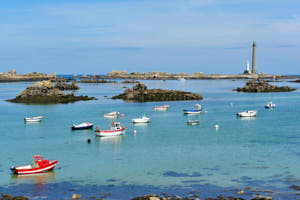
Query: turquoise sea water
[[166, 155]]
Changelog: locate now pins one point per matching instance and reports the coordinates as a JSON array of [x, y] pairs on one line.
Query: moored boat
[[197, 110], [143, 119], [39, 165], [270, 105], [85, 125], [247, 113], [161, 108], [115, 130], [193, 122], [33, 119], [111, 115]]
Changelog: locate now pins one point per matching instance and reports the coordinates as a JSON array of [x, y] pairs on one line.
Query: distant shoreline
[[143, 76]]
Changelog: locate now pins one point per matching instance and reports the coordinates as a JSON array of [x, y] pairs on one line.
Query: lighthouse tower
[[254, 67]]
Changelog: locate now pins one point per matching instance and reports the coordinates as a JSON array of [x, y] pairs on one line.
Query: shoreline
[[111, 190]]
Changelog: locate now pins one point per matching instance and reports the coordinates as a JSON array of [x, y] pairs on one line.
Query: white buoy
[[216, 126], [205, 111], [134, 132]]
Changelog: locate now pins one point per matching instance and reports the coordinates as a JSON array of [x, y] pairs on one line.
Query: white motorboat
[[161, 108], [247, 113], [111, 115], [143, 119], [33, 119], [115, 130], [197, 110], [85, 125], [270, 105]]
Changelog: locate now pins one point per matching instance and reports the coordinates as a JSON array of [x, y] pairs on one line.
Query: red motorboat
[[39, 165]]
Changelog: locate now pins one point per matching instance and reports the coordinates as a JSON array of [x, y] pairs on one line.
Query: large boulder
[[140, 93], [44, 93], [258, 86], [65, 86]]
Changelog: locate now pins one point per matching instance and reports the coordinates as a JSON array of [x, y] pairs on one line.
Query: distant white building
[[247, 71]]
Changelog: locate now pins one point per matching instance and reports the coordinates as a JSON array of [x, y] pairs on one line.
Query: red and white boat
[[115, 130], [39, 165]]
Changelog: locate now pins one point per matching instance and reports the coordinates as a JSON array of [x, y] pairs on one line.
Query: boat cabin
[[39, 161], [115, 125]]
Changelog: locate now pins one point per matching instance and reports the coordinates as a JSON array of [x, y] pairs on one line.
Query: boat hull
[[141, 120], [83, 127], [191, 112], [105, 133], [22, 171]]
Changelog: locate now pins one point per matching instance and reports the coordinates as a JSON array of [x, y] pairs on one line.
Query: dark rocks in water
[[262, 86], [10, 197], [130, 81], [295, 187], [295, 81], [140, 93], [65, 86], [96, 81], [44, 93]]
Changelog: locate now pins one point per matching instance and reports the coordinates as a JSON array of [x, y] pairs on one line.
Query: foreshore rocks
[[10, 197], [44, 93], [262, 86], [65, 86], [140, 93], [194, 197]]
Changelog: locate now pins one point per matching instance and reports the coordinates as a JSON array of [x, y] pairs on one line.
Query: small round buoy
[[205, 111], [122, 115], [89, 140], [216, 126], [134, 132]]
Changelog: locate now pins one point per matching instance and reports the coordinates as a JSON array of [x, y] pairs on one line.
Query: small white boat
[[270, 105], [247, 113], [181, 79], [111, 115], [143, 119], [33, 119], [197, 110], [85, 125], [193, 122], [115, 130], [161, 108]]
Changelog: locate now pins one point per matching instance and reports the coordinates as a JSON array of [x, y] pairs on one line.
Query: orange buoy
[[134, 132], [122, 115]]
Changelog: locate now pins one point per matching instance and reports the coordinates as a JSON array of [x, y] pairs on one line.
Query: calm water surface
[[165, 155]]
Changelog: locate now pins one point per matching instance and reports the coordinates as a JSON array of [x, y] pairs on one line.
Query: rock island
[[140, 93], [43, 92]]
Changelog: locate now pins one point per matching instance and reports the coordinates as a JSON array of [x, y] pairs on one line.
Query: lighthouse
[[254, 67]]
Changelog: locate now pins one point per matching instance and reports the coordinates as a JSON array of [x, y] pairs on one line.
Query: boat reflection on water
[[113, 141], [40, 178], [246, 118]]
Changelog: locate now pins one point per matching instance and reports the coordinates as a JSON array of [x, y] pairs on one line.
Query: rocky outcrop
[[65, 86], [96, 81], [130, 81], [140, 93], [10, 197], [295, 81], [44, 93], [262, 86]]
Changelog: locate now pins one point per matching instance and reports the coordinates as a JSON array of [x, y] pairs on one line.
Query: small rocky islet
[[260, 86], [140, 93], [43, 92]]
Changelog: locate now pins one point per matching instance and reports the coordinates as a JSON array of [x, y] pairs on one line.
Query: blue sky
[[92, 37]]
